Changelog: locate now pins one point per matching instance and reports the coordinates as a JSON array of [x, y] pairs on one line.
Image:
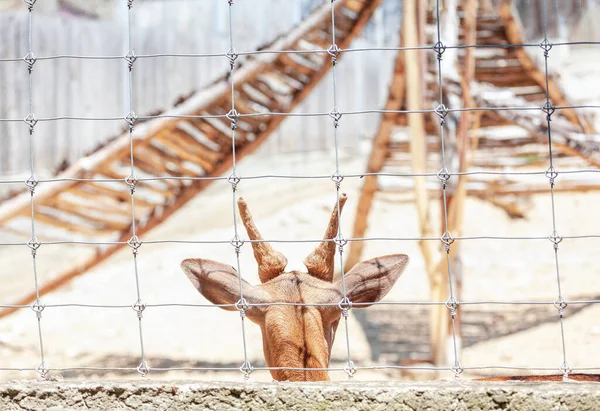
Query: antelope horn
[[320, 261], [271, 263]]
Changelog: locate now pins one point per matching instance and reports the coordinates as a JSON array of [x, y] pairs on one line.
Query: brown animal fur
[[295, 335]]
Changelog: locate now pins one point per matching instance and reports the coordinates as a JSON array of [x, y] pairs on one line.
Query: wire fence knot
[[132, 182], [443, 175], [546, 46], [336, 116], [555, 239], [565, 369], [231, 56], [350, 369], [448, 240], [135, 243], [130, 57], [233, 116], [242, 306], [560, 304], [549, 109], [38, 307], [143, 368], [345, 305], [551, 174], [442, 112], [31, 183], [246, 368], [31, 120], [237, 243], [139, 308], [337, 178], [334, 51], [452, 304], [33, 245], [131, 118], [30, 60], [439, 48], [340, 242], [457, 369], [234, 180], [43, 370]]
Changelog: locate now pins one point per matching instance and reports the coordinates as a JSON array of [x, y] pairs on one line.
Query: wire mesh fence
[[235, 179]]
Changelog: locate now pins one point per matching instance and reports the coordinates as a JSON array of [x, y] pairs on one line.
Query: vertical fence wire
[[32, 182], [242, 305], [552, 174], [132, 180], [337, 178], [444, 176]]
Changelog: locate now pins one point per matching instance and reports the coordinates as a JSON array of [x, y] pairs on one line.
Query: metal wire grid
[[337, 177]]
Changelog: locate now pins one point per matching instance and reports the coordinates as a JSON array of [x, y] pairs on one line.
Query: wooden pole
[[418, 150], [379, 153], [513, 33], [441, 325], [465, 153]]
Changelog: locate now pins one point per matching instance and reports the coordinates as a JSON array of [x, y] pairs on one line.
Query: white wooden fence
[[96, 88]]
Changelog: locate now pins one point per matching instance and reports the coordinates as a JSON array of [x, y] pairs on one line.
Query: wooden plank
[[513, 33], [191, 143], [119, 195], [587, 150], [487, 185], [569, 186], [510, 207], [212, 133], [117, 210], [157, 160], [69, 226], [418, 150], [379, 153], [106, 221], [183, 153], [288, 60], [467, 127]]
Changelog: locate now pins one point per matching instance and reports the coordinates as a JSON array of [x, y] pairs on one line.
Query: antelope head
[[298, 312]]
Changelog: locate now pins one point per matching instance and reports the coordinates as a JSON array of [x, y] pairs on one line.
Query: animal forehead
[[298, 287]]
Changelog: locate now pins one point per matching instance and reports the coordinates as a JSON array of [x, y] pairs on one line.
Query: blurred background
[[92, 331]]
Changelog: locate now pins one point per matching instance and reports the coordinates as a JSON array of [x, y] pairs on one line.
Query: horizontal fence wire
[[303, 177], [322, 114], [446, 239], [304, 51]]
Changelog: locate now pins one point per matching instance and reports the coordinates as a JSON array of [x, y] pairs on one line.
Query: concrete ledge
[[186, 395]]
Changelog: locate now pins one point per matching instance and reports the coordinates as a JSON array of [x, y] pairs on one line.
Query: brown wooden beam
[[513, 34]]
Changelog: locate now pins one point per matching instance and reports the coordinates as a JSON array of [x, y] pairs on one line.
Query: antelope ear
[[369, 281], [220, 283]]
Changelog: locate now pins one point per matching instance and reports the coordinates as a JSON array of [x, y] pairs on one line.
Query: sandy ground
[[493, 270]]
